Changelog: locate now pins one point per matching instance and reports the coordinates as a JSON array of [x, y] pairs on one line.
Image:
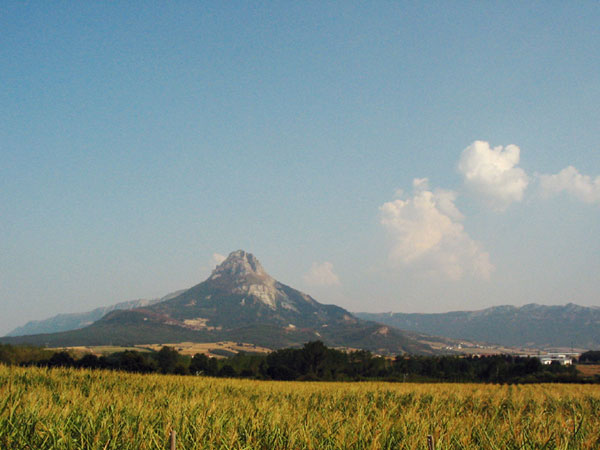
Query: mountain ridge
[[73, 321], [530, 325]]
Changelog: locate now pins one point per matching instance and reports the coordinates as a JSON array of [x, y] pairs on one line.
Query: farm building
[[562, 359]]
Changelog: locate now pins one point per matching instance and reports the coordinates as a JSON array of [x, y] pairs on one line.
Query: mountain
[[74, 321], [239, 302], [531, 325]]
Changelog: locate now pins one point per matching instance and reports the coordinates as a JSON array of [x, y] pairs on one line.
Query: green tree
[[200, 364], [167, 358]]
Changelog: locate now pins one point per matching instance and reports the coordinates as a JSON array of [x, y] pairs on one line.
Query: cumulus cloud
[[217, 259], [427, 234], [492, 174], [321, 274], [569, 180]]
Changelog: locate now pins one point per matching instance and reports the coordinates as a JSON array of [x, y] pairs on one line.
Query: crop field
[[207, 348], [184, 348], [589, 370], [81, 409]]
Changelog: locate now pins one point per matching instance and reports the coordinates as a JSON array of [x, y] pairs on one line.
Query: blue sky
[[138, 140]]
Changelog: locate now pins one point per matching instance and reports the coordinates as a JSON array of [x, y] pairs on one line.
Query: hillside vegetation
[[313, 362]]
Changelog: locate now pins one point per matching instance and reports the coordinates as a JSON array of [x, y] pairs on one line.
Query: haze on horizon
[[404, 157]]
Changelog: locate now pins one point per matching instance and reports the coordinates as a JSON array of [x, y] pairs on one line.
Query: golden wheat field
[[80, 409]]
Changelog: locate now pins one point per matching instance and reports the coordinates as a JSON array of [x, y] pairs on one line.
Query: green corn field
[[80, 409]]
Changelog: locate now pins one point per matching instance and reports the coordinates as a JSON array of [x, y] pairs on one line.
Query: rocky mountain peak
[[240, 264], [242, 273]]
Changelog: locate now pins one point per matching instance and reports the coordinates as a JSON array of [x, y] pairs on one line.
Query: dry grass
[[588, 370], [184, 348], [191, 348], [79, 409]]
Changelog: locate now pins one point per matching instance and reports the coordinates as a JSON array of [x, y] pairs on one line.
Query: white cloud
[[492, 174], [426, 234], [217, 259], [321, 274], [582, 187]]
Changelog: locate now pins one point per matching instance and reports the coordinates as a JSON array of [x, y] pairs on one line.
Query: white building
[[559, 357]]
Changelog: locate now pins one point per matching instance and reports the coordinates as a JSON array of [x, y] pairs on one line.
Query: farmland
[[589, 370], [184, 348], [44, 408]]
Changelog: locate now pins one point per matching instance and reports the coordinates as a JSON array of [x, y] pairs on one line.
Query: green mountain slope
[[73, 321]]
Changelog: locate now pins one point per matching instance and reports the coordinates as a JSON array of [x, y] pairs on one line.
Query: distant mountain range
[[532, 325], [74, 321], [238, 302]]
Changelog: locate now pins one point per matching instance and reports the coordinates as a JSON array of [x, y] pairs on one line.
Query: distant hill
[[74, 321], [238, 302], [531, 325]]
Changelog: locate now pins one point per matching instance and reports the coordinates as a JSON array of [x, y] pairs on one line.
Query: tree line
[[312, 362]]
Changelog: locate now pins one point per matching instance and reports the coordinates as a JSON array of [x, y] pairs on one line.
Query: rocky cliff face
[[239, 266], [242, 274]]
